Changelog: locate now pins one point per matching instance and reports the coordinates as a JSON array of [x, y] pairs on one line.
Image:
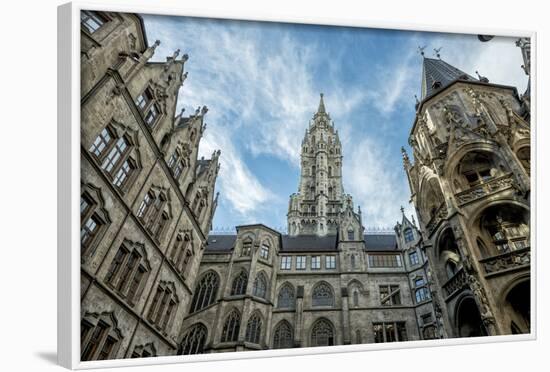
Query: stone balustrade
[[484, 189], [508, 260]]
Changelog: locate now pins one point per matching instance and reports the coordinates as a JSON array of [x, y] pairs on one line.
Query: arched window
[[282, 337], [286, 298], [194, 339], [260, 286], [351, 234], [451, 269], [254, 329], [322, 295], [355, 298], [409, 236], [322, 333], [230, 332], [239, 284], [205, 293]]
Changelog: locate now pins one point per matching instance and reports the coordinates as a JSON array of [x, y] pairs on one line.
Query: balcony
[[485, 189], [504, 262], [439, 215], [455, 284]]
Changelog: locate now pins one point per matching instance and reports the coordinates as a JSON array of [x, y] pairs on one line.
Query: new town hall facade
[[154, 282]]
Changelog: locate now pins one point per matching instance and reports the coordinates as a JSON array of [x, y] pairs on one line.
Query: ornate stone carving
[[509, 260], [485, 189], [439, 215], [456, 283]]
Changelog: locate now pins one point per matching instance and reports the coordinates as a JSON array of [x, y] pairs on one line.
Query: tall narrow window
[[390, 295], [124, 173], [355, 298], [92, 21], [115, 155], [99, 337], [264, 251], [247, 248], [413, 258], [409, 235], [316, 262], [300, 262], [93, 222], [322, 295], [230, 331], [286, 298], [351, 234], [101, 142], [163, 307], [282, 337], [128, 271], [260, 286], [330, 262], [150, 110], [205, 293], [194, 340], [286, 262], [322, 333], [254, 329], [239, 284]]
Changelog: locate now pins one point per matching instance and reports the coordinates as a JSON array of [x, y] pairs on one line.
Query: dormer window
[[436, 85], [114, 155], [146, 104], [409, 235]]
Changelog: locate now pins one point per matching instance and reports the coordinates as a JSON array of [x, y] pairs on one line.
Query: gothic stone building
[[146, 200], [154, 283], [470, 184]]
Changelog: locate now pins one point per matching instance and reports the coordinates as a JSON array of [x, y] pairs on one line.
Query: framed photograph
[[289, 186]]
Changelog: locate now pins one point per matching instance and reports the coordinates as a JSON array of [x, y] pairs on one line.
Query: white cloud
[[379, 190]]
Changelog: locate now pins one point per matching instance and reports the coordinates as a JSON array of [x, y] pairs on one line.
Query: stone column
[[345, 316], [298, 326]]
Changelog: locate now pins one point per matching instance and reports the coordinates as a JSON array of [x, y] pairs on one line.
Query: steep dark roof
[[380, 242], [439, 71], [221, 243], [307, 243]]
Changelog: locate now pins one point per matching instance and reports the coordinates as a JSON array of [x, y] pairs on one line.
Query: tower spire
[[321, 109]]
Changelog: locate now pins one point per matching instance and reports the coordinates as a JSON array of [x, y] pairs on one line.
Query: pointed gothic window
[[286, 298], [282, 337], [239, 284], [194, 340], [260, 286], [322, 295], [205, 293], [322, 333], [230, 331], [254, 329]]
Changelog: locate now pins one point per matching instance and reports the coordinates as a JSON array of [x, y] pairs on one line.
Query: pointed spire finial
[[421, 50], [483, 79], [321, 108], [402, 210], [436, 52]]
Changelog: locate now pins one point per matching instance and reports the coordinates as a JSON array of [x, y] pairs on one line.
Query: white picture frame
[[69, 187]]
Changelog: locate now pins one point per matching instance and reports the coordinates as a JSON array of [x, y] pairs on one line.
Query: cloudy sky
[[261, 83]]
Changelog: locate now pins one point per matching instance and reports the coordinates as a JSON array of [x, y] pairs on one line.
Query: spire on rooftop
[[321, 109], [437, 74]]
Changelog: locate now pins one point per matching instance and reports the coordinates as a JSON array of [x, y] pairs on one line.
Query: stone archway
[[468, 319], [517, 305]]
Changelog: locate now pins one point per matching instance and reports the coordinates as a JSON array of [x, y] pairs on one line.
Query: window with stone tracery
[[239, 284], [205, 292], [230, 331], [322, 333], [193, 340], [286, 298], [282, 336], [322, 295], [260, 286], [253, 329]]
